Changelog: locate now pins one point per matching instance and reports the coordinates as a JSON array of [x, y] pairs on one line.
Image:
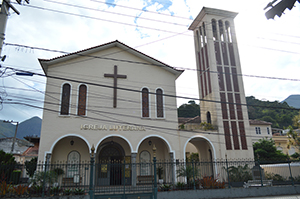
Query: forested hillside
[[280, 114], [276, 112], [191, 109]]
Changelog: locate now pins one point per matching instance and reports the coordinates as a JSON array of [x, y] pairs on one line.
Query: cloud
[[110, 3], [266, 47]]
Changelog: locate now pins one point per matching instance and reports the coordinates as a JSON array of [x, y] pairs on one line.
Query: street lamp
[[14, 140]]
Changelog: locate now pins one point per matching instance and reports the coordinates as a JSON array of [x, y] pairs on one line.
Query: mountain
[[28, 127], [293, 100]]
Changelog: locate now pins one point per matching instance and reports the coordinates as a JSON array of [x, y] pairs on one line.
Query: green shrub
[[15, 177], [59, 171], [78, 191], [239, 173], [274, 177]]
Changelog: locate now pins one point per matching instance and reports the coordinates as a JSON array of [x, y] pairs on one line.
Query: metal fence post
[[124, 179], [289, 162], [193, 174], [154, 166], [44, 180], [91, 191], [227, 171]]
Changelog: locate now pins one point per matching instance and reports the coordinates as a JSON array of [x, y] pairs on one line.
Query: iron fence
[[122, 178]]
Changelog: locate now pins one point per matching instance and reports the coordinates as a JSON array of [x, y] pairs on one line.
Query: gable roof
[[259, 122], [185, 120], [86, 52]]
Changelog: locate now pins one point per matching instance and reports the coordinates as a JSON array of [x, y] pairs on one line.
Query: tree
[[265, 150], [296, 121], [31, 166], [280, 114], [7, 165], [294, 139], [189, 110], [194, 157], [6, 158]]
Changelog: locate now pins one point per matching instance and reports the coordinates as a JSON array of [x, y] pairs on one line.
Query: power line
[[93, 9], [107, 20], [162, 129], [144, 63], [139, 91], [142, 10]]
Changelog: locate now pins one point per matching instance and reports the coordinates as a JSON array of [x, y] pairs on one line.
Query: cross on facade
[[115, 76]]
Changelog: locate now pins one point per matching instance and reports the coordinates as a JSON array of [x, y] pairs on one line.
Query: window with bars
[[159, 103], [65, 99], [145, 102], [82, 100]]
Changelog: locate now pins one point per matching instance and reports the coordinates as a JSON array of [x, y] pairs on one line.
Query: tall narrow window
[[65, 99], [221, 29], [159, 103], [145, 102], [208, 117], [204, 33], [228, 31], [145, 160], [82, 100], [73, 164], [214, 28]]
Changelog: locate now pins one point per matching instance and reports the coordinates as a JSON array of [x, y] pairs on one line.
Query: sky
[[268, 49]]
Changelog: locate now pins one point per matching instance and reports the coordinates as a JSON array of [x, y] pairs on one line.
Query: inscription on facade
[[97, 127]]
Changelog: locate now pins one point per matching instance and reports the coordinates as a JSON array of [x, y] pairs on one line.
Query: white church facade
[[123, 102]]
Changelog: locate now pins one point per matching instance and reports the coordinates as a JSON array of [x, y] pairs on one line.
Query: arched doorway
[[111, 157], [200, 151], [163, 154]]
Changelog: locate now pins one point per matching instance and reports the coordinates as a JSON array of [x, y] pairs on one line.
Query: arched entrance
[[163, 155], [112, 153], [200, 151], [111, 157], [70, 149]]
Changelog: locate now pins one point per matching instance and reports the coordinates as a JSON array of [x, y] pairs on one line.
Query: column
[[172, 167], [133, 168], [48, 161]]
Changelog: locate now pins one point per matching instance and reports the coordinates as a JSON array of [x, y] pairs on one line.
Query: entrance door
[[110, 167]]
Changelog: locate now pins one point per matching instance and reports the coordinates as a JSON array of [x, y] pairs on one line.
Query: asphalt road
[[274, 197]]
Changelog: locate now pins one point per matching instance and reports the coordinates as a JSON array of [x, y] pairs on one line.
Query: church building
[[123, 102], [113, 97]]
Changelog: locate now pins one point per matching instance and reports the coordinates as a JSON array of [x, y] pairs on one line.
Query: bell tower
[[221, 89]]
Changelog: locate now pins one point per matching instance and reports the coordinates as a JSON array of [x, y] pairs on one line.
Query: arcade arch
[[64, 146], [203, 149]]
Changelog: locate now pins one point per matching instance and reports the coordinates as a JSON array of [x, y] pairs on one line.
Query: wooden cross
[[115, 76]]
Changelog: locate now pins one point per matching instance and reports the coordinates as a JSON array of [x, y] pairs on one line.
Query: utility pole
[[15, 137], [3, 20]]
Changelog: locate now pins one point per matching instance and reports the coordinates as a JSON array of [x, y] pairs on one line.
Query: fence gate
[[120, 180]]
